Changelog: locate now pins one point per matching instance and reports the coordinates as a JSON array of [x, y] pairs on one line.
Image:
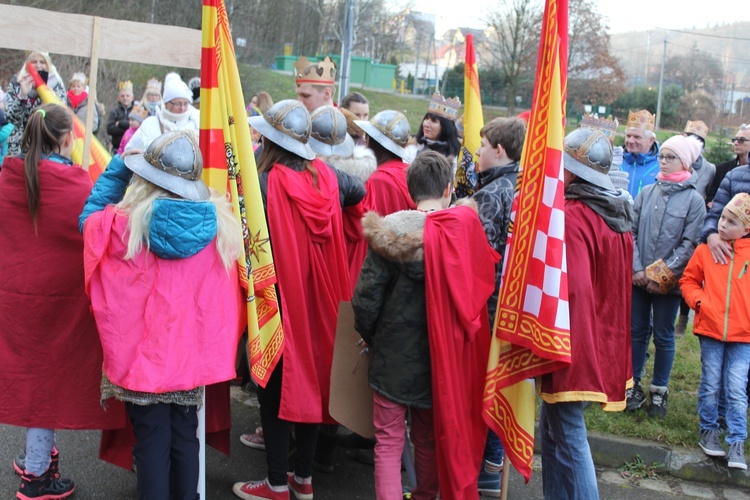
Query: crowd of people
[[131, 283]]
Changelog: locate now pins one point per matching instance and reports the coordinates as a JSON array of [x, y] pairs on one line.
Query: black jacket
[[117, 123]]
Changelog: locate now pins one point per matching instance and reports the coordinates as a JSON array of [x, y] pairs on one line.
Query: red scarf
[[76, 100], [459, 278], [305, 224]]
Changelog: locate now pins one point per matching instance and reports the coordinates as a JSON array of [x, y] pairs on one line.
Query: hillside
[[730, 43]]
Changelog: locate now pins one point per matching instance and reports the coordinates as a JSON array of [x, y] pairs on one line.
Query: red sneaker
[[299, 490], [259, 490]]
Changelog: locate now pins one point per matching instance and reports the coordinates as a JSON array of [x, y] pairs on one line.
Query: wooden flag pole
[[202, 448], [505, 479], [93, 71]]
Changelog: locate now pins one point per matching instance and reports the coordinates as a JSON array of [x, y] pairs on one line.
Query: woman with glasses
[[666, 230], [178, 113]]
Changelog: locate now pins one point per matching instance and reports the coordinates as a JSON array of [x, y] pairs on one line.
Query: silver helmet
[[173, 162], [588, 154], [286, 123], [328, 136], [390, 129]]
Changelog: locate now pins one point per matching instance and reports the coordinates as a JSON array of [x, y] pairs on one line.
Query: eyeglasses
[[741, 140], [179, 104], [668, 158]]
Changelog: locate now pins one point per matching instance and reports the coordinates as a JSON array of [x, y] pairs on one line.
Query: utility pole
[[346, 50], [661, 86], [416, 66], [648, 53]]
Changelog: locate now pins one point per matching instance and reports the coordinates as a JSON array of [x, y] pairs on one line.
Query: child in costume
[[428, 332], [668, 218], [160, 256], [303, 198], [44, 305], [136, 117], [719, 294]]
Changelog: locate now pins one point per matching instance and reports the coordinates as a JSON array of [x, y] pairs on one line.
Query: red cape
[[305, 224], [387, 193], [459, 278], [50, 355], [600, 295]]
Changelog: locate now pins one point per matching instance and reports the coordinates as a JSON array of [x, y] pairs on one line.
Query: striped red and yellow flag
[[473, 121], [99, 156], [531, 331], [473, 118], [229, 165]]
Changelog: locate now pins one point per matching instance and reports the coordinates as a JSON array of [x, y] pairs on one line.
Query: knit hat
[[740, 206], [687, 148], [138, 113], [175, 88]]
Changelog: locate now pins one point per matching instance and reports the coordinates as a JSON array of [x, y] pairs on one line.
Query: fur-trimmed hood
[[361, 164], [399, 237]]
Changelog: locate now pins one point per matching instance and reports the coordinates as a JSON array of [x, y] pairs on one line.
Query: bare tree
[[695, 71], [594, 75], [516, 26]]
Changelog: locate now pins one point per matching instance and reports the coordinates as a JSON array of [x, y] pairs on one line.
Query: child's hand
[[653, 287], [640, 279], [721, 251]]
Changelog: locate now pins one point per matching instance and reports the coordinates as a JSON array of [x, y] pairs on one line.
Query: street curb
[[682, 463]]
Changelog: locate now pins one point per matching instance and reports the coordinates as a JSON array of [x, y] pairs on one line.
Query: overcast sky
[[621, 15]]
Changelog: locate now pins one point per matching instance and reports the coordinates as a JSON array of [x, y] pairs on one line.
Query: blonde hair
[[138, 204], [51, 69]]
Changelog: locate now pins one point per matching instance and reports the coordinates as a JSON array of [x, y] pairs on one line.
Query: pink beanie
[[687, 148]]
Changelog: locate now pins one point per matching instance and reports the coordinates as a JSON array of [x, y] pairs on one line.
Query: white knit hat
[[175, 88]]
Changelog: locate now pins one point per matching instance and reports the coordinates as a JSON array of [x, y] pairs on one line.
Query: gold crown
[[319, 73], [740, 206], [154, 84], [139, 111], [126, 85], [698, 128], [604, 125], [641, 119], [447, 108]]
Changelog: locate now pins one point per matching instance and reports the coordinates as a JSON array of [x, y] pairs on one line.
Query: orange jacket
[[720, 294]]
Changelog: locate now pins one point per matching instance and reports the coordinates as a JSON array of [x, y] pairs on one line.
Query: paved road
[[351, 480]]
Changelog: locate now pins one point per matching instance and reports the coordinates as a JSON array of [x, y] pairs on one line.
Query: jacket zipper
[[729, 291]]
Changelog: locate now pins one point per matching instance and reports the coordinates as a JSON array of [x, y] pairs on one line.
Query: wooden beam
[[72, 34], [91, 108]]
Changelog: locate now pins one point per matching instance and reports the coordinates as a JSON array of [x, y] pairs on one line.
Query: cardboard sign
[[351, 396]]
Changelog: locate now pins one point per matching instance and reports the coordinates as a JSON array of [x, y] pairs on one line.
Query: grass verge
[[680, 426]]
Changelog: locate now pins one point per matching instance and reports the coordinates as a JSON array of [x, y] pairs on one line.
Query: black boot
[[45, 486]]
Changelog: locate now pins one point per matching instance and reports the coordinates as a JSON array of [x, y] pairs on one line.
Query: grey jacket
[[703, 173], [668, 221], [390, 308]]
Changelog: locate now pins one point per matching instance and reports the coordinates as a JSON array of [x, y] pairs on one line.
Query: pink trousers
[[390, 433]]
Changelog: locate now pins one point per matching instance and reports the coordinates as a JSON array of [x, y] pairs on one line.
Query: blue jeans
[[732, 359], [493, 449], [664, 308], [567, 467]]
